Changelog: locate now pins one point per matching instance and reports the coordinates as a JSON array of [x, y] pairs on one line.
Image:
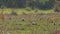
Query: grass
[[26, 10], [41, 25], [17, 26]]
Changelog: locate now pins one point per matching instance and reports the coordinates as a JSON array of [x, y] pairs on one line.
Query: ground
[[30, 23]]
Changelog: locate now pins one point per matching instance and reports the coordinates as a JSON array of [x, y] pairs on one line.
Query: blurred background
[[39, 4]]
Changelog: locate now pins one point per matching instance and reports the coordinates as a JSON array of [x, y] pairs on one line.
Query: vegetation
[[30, 24], [29, 17], [40, 4], [26, 11]]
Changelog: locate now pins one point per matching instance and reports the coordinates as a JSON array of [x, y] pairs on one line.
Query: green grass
[[26, 10], [44, 25]]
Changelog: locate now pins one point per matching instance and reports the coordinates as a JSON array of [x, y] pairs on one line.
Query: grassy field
[[30, 24], [33, 22], [27, 11]]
